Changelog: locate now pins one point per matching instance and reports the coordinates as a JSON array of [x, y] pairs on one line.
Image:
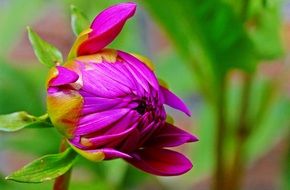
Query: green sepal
[[45, 168], [46, 53], [79, 21], [19, 120]]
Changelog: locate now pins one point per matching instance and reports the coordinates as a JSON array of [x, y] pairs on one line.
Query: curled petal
[[160, 162], [174, 101], [112, 154], [101, 154], [106, 26], [170, 136], [140, 70], [63, 76], [104, 140]]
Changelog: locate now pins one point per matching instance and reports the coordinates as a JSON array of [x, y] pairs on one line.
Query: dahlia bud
[[109, 104]]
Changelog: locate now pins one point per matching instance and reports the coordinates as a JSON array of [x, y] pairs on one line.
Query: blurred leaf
[[272, 127], [45, 168], [21, 89], [45, 52], [19, 120], [171, 65], [79, 20], [116, 178], [264, 27], [208, 32], [133, 178]]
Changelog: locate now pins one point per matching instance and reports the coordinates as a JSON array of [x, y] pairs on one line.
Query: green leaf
[[45, 52], [19, 120], [45, 168], [208, 32], [79, 21], [264, 28]]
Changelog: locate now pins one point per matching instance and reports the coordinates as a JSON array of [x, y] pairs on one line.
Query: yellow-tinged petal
[[80, 39], [145, 60], [108, 55], [163, 83], [52, 73], [93, 156], [169, 119], [64, 110]]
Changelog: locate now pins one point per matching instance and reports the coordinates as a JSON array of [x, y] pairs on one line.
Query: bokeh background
[[161, 31]]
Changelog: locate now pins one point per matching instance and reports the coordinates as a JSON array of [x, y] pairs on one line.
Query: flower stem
[[62, 182], [242, 134], [219, 175]]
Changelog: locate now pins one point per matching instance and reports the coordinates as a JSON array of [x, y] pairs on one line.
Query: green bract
[[19, 120], [79, 20], [45, 168], [45, 52]]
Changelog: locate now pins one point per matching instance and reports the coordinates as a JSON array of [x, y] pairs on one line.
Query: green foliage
[[264, 28], [208, 32], [14, 16], [286, 170], [79, 20], [20, 89], [45, 168], [45, 52], [19, 120]]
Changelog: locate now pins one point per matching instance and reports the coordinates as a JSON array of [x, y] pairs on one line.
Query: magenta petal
[[64, 76], [170, 136], [111, 153], [110, 138], [161, 162], [106, 26], [173, 101], [141, 71]]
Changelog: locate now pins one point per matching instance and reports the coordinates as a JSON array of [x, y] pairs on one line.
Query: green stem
[[242, 134], [62, 182], [220, 175]]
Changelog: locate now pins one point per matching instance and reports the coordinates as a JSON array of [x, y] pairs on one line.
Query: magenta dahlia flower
[[108, 104]]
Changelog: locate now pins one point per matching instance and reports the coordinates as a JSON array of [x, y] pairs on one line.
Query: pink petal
[[99, 121], [64, 76], [160, 162], [174, 101], [170, 136], [112, 139], [141, 71], [110, 153], [106, 26]]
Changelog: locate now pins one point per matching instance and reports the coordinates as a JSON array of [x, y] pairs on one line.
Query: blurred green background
[[193, 44]]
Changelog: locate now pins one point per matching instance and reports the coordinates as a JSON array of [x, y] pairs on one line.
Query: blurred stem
[[62, 182], [286, 168], [219, 176], [242, 131], [242, 134]]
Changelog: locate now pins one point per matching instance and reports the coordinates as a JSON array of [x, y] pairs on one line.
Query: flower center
[[141, 108]]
